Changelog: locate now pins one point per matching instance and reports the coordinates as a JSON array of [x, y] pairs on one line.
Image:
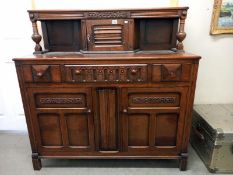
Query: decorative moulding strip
[[154, 14], [90, 14], [48, 16]]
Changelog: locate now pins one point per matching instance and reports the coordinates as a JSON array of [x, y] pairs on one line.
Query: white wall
[[215, 80]]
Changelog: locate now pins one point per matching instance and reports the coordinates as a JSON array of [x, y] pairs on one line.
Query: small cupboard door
[[62, 118], [109, 34], [152, 119]]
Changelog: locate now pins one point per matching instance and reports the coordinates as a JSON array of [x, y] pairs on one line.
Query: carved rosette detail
[[117, 14], [36, 37], [181, 34]]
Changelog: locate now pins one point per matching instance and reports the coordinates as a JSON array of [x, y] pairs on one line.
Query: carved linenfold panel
[[106, 73], [56, 100], [154, 99], [116, 14], [108, 119]]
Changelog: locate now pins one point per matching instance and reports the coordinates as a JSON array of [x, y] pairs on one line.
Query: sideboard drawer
[[106, 73], [171, 72], [41, 73]]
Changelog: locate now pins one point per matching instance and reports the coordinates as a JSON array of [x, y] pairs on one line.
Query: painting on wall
[[222, 17]]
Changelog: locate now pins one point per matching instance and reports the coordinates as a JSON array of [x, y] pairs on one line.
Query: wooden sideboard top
[[129, 56]]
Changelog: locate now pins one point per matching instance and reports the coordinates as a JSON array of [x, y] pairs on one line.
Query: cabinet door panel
[[166, 129], [138, 130], [77, 128], [152, 118], [50, 130], [109, 35], [62, 118]]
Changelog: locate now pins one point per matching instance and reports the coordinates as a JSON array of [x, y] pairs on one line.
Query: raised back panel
[[62, 35], [166, 129], [158, 34], [138, 130], [77, 128], [50, 130]]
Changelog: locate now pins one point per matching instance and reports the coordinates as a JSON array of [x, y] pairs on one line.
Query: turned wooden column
[[181, 33], [36, 37]]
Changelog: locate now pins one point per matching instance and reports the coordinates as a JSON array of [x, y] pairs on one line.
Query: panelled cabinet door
[[152, 119], [109, 34], [62, 118]]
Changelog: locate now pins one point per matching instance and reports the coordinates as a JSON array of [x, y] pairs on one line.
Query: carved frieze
[[153, 100], [56, 100], [106, 73], [112, 14]]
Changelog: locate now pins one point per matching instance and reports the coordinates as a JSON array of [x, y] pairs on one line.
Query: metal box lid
[[220, 118]]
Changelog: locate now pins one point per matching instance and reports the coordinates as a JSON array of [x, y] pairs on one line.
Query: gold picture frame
[[222, 17]]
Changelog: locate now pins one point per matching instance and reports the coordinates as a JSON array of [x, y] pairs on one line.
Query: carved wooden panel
[[107, 118], [60, 100], [50, 129], [77, 129], [42, 73], [138, 129], [106, 73], [166, 129], [63, 118], [171, 72], [154, 99], [108, 14]]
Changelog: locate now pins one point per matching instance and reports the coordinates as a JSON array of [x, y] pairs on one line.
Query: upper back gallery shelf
[[109, 31]]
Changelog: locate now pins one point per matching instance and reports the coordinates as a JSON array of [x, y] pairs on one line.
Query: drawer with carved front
[[41, 73], [116, 73], [171, 72]]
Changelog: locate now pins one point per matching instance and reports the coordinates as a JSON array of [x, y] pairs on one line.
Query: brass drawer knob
[[77, 72], [134, 71], [39, 74], [89, 111], [125, 111]]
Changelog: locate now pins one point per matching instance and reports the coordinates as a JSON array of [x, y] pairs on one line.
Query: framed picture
[[222, 17]]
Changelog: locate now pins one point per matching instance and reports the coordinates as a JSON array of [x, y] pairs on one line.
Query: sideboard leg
[[36, 161], [183, 162]]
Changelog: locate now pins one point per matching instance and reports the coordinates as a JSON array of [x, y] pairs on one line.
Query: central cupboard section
[[108, 119]]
